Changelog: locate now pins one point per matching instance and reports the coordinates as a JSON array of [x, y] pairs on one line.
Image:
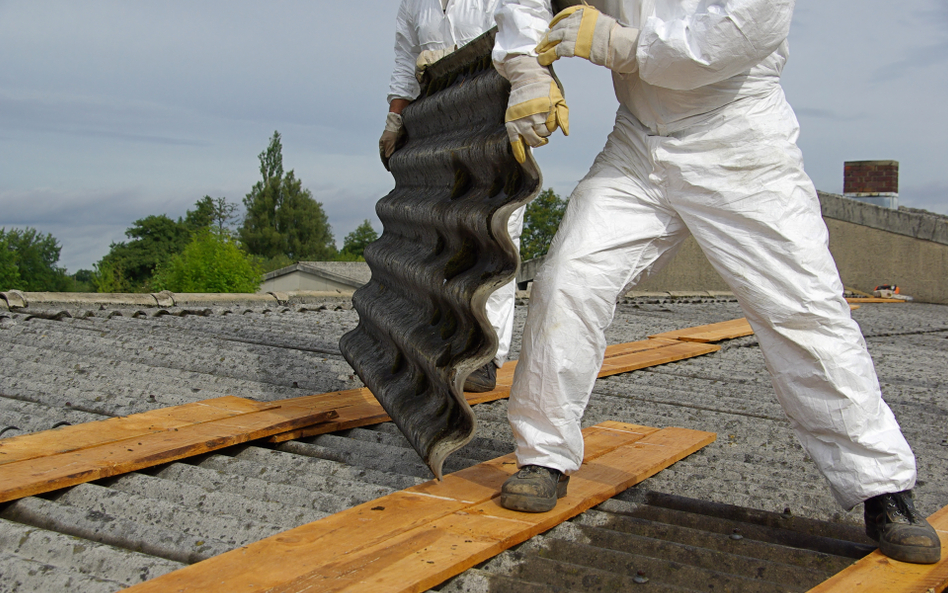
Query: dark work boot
[[903, 534], [533, 489], [482, 379]]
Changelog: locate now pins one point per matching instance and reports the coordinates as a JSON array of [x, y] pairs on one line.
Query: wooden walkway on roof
[[70, 455], [414, 539], [53, 459]]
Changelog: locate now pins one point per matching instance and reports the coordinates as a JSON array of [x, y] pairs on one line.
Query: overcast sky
[[114, 110]]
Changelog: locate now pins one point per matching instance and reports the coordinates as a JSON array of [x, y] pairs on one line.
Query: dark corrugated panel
[[444, 249], [650, 541]]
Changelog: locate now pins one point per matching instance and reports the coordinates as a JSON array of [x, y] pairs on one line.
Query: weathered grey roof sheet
[[110, 360]]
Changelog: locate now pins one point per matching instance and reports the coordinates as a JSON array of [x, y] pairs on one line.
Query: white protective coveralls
[[427, 25], [704, 143]]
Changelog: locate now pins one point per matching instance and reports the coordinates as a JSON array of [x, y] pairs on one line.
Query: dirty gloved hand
[[427, 58], [390, 136], [536, 106], [587, 33]]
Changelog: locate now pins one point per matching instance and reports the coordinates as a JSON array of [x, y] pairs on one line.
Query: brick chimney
[[874, 182]]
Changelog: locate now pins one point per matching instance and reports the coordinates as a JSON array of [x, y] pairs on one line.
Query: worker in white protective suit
[[704, 144], [426, 31]]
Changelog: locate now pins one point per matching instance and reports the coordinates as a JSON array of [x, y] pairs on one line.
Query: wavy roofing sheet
[[444, 248]]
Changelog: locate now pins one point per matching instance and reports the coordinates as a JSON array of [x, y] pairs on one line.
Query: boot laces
[[900, 507], [536, 470]]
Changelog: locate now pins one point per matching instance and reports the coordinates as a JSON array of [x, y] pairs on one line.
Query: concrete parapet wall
[[16, 299], [932, 228], [867, 257]]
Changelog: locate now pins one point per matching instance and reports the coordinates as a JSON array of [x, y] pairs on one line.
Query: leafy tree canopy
[[355, 242], [28, 261], [211, 262], [540, 222], [9, 272], [153, 240], [282, 217]]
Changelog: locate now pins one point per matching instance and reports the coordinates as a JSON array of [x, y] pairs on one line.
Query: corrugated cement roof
[[62, 363]]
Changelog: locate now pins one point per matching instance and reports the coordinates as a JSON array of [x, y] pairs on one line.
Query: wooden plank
[[356, 407], [874, 300], [428, 555], [654, 357], [619, 358], [713, 332], [75, 454], [115, 457], [414, 539], [878, 574], [89, 434]]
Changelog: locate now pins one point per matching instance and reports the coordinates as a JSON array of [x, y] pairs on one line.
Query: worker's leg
[[742, 191], [500, 304], [614, 229], [500, 314]]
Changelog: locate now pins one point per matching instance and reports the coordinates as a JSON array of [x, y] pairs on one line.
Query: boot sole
[[533, 504], [911, 554], [527, 504], [478, 387]]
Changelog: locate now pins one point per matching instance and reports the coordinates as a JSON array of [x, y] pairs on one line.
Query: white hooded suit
[[704, 144]]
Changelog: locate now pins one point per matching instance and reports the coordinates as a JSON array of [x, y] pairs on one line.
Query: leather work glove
[[536, 106], [585, 32], [390, 137], [427, 58]]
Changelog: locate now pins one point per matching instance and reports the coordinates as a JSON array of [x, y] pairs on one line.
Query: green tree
[[82, 281], [129, 265], [202, 216], [540, 222], [211, 262], [208, 211], [32, 265], [354, 244], [9, 272], [153, 240], [283, 218]]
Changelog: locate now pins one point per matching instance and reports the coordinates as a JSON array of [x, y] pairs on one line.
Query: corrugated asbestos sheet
[[444, 249], [73, 363]]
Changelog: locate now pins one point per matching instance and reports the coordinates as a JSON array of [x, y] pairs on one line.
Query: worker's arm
[[403, 88], [403, 85], [536, 106], [397, 105], [721, 39], [520, 25]]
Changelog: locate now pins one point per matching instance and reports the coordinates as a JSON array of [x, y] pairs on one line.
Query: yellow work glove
[[536, 106], [587, 33]]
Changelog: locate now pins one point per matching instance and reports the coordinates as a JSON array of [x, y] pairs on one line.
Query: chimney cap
[[887, 163]]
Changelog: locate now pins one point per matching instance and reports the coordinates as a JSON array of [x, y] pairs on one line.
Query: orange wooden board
[[90, 434], [75, 454], [873, 300], [878, 574], [358, 407], [115, 456], [416, 538], [713, 332], [665, 352]]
